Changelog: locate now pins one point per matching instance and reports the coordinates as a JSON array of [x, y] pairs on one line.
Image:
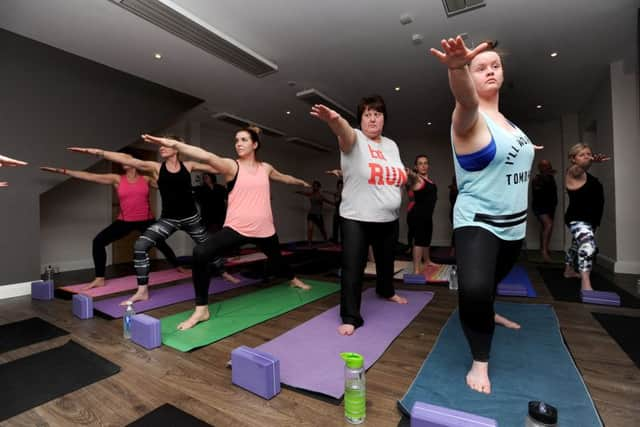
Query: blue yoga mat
[[519, 276], [527, 364]]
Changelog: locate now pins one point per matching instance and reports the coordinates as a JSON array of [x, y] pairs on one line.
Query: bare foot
[[586, 281], [142, 294], [346, 329], [229, 278], [97, 282], [397, 298], [297, 283], [505, 322], [200, 314], [478, 377], [546, 257], [570, 273], [183, 270], [432, 264]]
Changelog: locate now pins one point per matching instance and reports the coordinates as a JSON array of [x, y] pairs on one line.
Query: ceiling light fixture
[[157, 55], [539, 106], [397, 88], [554, 54]]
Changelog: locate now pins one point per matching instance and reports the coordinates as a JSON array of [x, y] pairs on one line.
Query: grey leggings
[[159, 232], [583, 246]]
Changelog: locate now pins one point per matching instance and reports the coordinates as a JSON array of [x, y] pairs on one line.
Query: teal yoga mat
[[532, 363]]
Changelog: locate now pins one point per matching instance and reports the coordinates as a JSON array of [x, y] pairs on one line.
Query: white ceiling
[[347, 49]]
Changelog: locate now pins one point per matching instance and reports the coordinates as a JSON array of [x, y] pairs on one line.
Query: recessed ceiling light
[[287, 113], [397, 88], [428, 123], [157, 55], [538, 106], [554, 54]]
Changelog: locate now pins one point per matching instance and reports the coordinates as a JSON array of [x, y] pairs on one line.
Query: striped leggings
[[583, 246], [159, 232]]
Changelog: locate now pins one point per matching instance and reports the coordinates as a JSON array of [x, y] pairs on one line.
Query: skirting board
[[15, 290]]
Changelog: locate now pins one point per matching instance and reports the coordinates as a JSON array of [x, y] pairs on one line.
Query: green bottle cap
[[353, 360]]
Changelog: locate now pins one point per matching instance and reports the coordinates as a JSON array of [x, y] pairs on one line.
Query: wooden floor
[[200, 384]]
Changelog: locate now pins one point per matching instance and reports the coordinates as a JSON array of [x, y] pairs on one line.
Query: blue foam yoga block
[[145, 331], [414, 279], [82, 306], [256, 371], [42, 290], [426, 415], [600, 297]]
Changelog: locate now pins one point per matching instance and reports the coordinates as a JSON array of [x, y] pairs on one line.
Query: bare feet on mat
[[297, 283], [505, 322], [586, 281], [200, 314], [478, 377], [346, 329], [97, 282], [142, 294], [397, 298], [183, 270], [229, 278], [570, 273]]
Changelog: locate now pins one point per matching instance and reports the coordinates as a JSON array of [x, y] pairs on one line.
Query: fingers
[[537, 147], [4, 184], [78, 149]]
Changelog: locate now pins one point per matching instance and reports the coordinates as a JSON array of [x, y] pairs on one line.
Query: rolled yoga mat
[[310, 353], [167, 296], [532, 363], [26, 332], [236, 314], [170, 416], [41, 377], [126, 283], [517, 278]]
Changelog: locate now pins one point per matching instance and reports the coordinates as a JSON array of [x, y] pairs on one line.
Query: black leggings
[[356, 238], [116, 231], [224, 240], [483, 261]]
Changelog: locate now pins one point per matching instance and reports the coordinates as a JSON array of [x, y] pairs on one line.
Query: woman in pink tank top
[[249, 216], [135, 214]]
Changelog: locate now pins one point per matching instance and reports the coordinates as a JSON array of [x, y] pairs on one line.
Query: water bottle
[[127, 319], [355, 402], [541, 415], [49, 273], [453, 278]]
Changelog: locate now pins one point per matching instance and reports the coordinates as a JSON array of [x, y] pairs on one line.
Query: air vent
[[181, 23], [454, 7], [241, 122], [308, 144], [314, 96]]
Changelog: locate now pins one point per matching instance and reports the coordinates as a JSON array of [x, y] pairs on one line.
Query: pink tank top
[[134, 200], [249, 204]]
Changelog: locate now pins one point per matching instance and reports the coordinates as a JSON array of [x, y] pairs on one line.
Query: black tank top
[[175, 190], [425, 199], [586, 203]]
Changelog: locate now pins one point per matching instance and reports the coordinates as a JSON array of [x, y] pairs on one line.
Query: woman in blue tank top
[[492, 160]]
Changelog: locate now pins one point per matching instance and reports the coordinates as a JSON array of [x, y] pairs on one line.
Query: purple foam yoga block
[[600, 297], [414, 279], [145, 331], [42, 290], [256, 371], [426, 415], [82, 306], [512, 290]]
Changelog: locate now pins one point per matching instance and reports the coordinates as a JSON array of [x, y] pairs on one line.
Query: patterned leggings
[[583, 246], [159, 232]]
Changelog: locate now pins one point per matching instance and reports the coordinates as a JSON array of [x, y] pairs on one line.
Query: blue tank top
[[495, 197]]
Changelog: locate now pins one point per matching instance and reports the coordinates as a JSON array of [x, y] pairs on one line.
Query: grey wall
[[50, 100]]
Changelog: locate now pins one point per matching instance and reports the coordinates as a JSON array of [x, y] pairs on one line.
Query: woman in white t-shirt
[[373, 176]]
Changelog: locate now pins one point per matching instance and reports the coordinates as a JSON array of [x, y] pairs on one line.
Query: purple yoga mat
[[310, 354], [167, 296]]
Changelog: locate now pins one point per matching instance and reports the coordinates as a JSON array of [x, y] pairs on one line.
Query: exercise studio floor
[[199, 382]]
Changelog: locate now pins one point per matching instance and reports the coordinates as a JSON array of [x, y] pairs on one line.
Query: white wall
[[625, 106]]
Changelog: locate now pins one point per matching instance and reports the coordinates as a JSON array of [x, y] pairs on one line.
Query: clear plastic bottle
[[453, 278], [355, 396], [49, 273], [541, 414], [129, 312]]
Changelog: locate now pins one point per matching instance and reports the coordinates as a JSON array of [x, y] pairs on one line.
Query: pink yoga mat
[[310, 353], [127, 283]]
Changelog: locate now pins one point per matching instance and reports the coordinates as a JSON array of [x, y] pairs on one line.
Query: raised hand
[[538, 147], [165, 142], [93, 151], [4, 184], [600, 158], [336, 172], [456, 54], [324, 113], [8, 161], [305, 184], [54, 170]]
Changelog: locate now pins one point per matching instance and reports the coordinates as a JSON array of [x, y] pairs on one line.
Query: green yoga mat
[[239, 313]]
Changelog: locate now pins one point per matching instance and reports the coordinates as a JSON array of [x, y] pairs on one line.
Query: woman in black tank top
[[179, 210]]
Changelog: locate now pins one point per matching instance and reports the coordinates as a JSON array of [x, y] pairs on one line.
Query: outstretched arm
[[100, 178], [456, 57], [8, 161], [4, 184], [286, 179], [335, 172], [221, 165], [200, 167], [338, 125], [122, 158]]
